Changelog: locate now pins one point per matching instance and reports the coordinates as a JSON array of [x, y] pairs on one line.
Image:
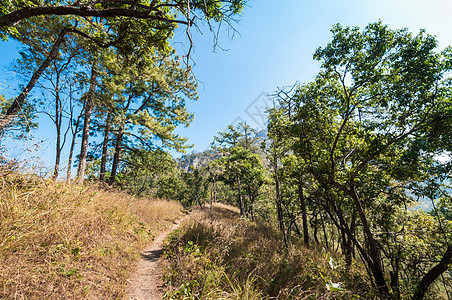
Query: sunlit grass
[[225, 257], [61, 240]]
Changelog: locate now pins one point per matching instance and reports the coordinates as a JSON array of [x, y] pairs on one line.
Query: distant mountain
[[197, 160]]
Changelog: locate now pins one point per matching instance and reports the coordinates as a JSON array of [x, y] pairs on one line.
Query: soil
[[146, 283]]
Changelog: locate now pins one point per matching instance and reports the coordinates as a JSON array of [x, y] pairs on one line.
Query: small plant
[[232, 258], [329, 284]]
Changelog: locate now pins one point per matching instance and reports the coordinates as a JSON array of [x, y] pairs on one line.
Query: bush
[[225, 257]]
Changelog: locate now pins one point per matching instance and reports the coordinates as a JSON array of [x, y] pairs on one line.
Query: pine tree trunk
[[118, 145], [69, 162], [103, 161], [56, 168], [58, 118], [85, 134], [71, 151]]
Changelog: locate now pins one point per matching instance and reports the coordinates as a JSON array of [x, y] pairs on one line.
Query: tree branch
[[13, 18]]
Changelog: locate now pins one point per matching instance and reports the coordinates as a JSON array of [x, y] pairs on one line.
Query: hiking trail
[[146, 282]]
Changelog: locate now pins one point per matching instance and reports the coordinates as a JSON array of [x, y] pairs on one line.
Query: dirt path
[[145, 283]]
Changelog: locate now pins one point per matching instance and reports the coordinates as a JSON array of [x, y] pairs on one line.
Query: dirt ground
[[145, 283]]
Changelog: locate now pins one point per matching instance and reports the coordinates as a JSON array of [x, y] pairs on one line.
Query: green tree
[[136, 28], [358, 127], [244, 172], [150, 104]]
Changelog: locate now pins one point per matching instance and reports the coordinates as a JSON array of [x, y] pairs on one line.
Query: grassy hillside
[[225, 257], [60, 241]]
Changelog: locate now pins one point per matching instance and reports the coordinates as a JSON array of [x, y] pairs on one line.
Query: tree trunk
[[215, 191], [241, 203], [349, 242], [375, 263], [58, 120], [118, 145], [303, 214], [103, 161], [315, 224], [433, 274], [324, 232], [16, 106], [279, 201], [71, 153], [85, 135], [56, 168]]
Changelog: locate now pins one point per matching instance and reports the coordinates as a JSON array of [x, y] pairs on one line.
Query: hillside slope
[[60, 241], [224, 257]]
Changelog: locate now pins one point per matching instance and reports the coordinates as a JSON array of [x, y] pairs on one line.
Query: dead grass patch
[[225, 257], [64, 241]]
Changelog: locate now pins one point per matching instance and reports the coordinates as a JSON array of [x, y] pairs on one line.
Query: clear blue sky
[[274, 47]]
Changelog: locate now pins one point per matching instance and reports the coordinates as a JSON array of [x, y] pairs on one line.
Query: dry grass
[[60, 241], [224, 257]]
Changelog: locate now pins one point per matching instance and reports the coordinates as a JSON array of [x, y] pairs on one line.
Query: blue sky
[[273, 47]]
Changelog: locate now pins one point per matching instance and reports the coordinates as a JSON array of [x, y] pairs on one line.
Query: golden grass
[[225, 257], [64, 241]]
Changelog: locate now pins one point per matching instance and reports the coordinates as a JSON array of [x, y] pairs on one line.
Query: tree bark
[[349, 242], [303, 214], [324, 232], [71, 151], [16, 106], [433, 274], [56, 169], [85, 135], [373, 251], [118, 145], [242, 206], [103, 161], [278, 198], [84, 11], [58, 122]]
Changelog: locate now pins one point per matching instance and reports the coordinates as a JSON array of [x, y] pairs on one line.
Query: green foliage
[[22, 123], [229, 258], [366, 135], [244, 172]]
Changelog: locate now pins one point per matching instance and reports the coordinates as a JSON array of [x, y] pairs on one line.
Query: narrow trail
[[145, 283]]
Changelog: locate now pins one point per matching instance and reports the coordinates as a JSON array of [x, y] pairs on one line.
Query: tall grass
[[225, 257], [64, 241]]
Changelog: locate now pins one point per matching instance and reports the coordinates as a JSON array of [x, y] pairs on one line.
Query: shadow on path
[[153, 255]]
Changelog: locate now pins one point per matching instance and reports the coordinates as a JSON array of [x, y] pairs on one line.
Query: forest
[[353, 168]]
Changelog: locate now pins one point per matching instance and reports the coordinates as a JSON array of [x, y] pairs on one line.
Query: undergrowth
[[64, 241], [225, 257]]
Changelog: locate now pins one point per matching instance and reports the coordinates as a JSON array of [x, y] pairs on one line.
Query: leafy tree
[[135, 28], [241, 168], [357, 129], [24, 122], [244, 172], [144, 169], [150, 103], [59, 82], [172, 12]]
